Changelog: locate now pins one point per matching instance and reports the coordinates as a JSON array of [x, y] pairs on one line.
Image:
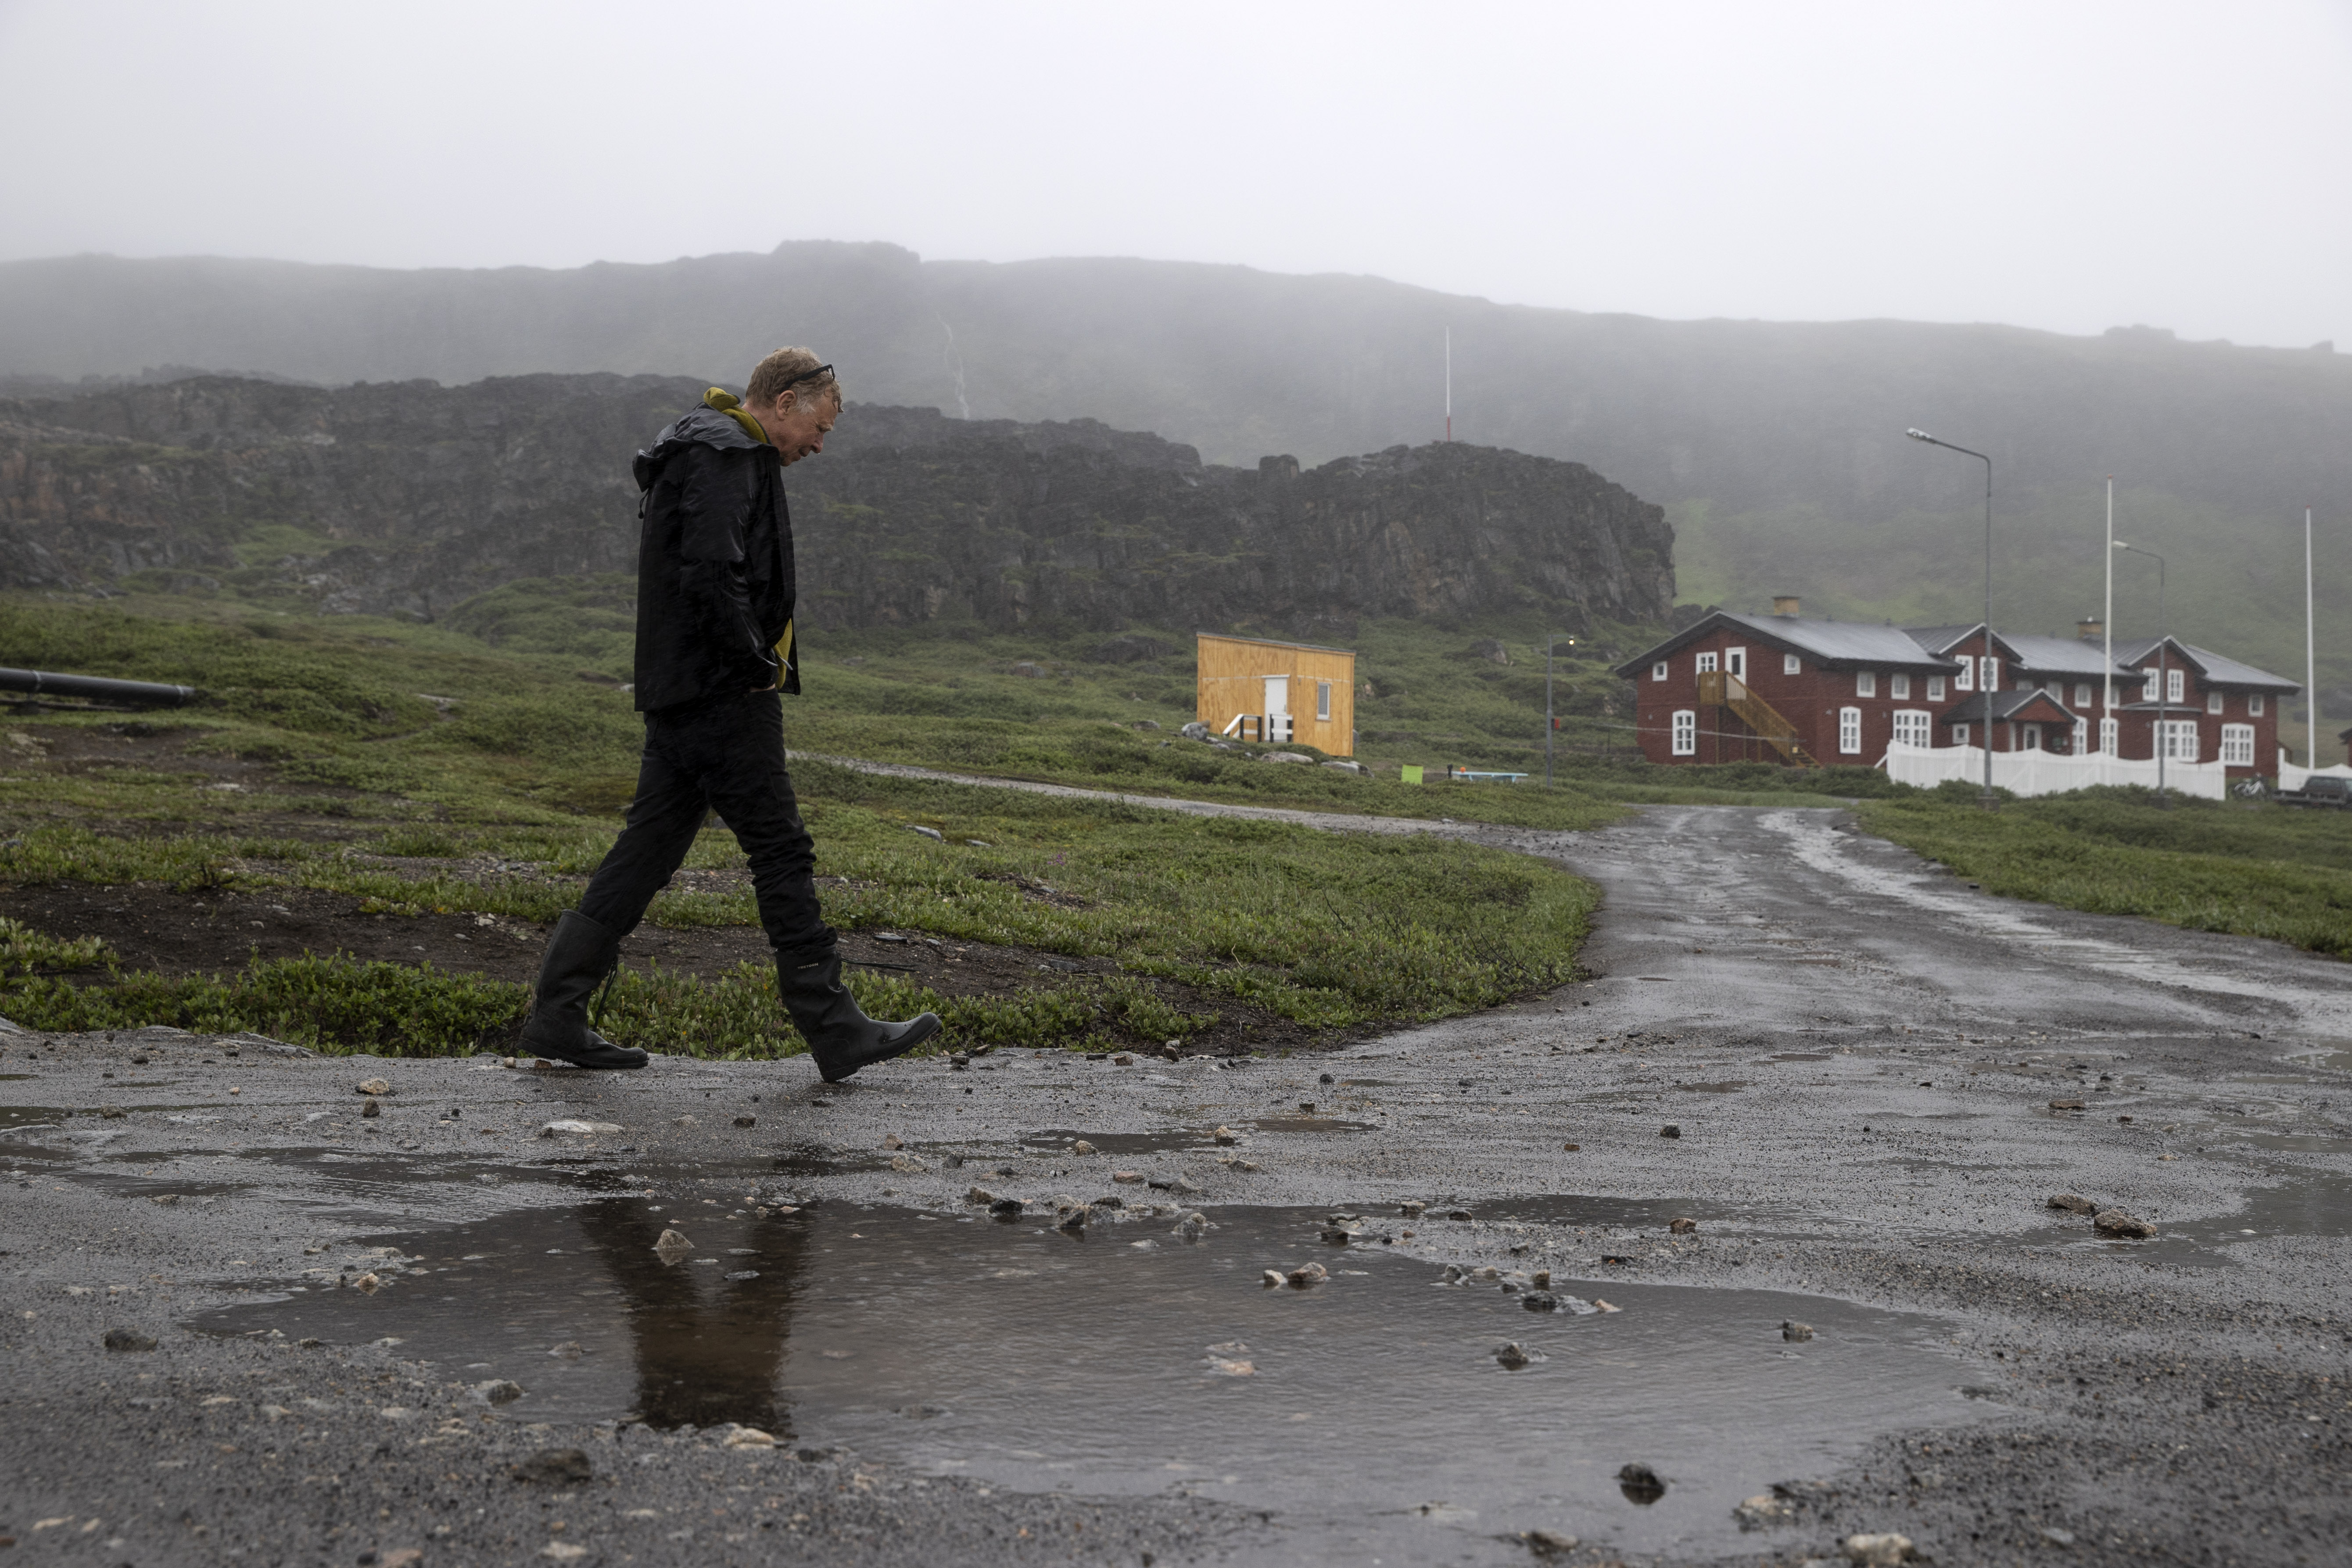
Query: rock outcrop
[[405, 499]]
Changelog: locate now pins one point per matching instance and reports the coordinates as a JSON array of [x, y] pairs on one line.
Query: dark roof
[[2058, 656], [2005, 705], [1842, 644], [1269, 641], [2218, 668]]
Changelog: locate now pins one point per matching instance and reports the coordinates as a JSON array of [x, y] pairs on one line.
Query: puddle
[[20, 1118], [1058, 1141], [1308, 1124], [1732, 1086], [2306, 1204], [1029, 1359]]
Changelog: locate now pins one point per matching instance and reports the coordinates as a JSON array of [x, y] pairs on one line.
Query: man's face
[[798, 428]]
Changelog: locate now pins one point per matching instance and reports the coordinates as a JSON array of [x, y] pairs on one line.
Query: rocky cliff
[[408, 497]]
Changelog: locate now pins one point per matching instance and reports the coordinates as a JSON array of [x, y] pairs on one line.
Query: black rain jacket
[[715, 589]]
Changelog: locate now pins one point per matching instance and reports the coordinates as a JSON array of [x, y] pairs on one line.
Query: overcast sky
[[2071, 165]]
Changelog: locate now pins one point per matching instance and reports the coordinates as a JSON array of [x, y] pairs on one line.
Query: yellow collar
[[726, 403]]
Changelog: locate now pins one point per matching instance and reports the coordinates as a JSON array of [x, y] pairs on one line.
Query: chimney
[[1787, 604], [2089, 628]]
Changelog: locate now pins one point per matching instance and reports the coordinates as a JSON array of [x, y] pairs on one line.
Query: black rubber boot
[[578, 956], [840, 1036]]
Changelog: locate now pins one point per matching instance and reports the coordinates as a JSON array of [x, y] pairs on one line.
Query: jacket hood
[[702, 427]]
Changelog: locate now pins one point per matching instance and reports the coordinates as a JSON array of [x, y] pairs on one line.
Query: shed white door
[[1277, 694]]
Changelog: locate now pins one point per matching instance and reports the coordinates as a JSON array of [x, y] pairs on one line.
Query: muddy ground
[[1872, 1072]]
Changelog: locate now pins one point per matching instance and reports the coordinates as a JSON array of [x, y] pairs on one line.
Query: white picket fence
[[2048, 772], [2292, 778]]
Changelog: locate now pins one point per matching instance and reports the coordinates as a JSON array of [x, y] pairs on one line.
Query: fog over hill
[[1776, 448]]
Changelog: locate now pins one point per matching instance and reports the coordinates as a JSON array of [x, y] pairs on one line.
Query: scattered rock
[[1795, 1332], [166, 1199], [1285, 757], [2065, 1105], [1195, 730], [1681, 1226], [1640, 1484], [1457, 1214], [748, 1437], [1541, 1301], [1122, 1061], [1670, 1131], [1570, 1148], [907, 1164], [742, 1274], [367, 1284], [1185, 1185], [1075, 1218], [1600, 1306], [1127, 1178], [672, 1246], [1005, 1208], [372, 1109], [2057, 1536], [1762, 1510], [2072, 1204], [980, 1195], [2115, 1222], [583, 1129], [1548, 1542], [374, 1086], [1194, 1225], [1876, 1551], [498, 1391], [556, 1466], [569, 1350], [114, 1112], [1270, 1279], [893, 1141], [127, 1340], [1413, 1208], [1082, 1147], [1225, 1135], [563, 1551], [1307, 1276], [1227, 1367], [747, 1121], [1515, 1355]]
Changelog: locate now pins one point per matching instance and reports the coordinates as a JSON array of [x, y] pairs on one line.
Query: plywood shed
[[1279, 691]]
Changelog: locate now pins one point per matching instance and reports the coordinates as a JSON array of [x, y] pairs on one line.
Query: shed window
[[1685, 732], [2212, 703], [1914, 727], [1323, 700], [1791, 665], [2254, 705], [1706, 664], [1850, 729], [1865, 683], [1658, 670], [1935, 688], [2238, 745], [1899, 687]]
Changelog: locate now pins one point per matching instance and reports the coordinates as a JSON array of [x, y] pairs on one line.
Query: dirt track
[[1859, 1054]]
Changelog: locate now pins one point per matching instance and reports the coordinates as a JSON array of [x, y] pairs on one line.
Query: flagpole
[[2310, 657], [1449, 387], [2108, 631]]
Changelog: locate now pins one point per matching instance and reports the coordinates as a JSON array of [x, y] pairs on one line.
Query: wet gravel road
[[1859, 1055]]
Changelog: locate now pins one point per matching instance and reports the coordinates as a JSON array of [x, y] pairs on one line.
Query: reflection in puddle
[[1059, 1140], [1126, 1361]]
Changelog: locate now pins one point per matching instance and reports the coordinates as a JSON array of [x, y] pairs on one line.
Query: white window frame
[[2082, 694], [2081, 736], [1966, 680], [2238, 745], [1899, 687], [1706, 664], [2155, 686], [1935, 688], [1865, 683], [1323, 702], [1685, 732], [1735, 663], [2216, 703], [1915, 726], [1991, 663], [1849, 731], [2254, 705], [1661, 669], [2032, 739], [2181, 740], [2111, 735], [1791, 665], [1959, 734], [2175, 684]]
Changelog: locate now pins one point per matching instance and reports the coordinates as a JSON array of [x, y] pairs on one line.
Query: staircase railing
[[1721, 688]]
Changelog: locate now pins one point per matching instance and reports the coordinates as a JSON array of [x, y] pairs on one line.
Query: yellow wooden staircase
[[1719, 689]]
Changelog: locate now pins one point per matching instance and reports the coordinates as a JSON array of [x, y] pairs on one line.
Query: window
[[2181, 740], [1914, 727], [1686, 732], [1935, 688], [1959, 734], [2110, 735], [1791, 665], [2034, 737], [1865, 683], [1899, 687], [1992, 672], [2212, 703], [2082, 738], [2254, 705], [2176, 685], [1849, 730], [1706, 664], [1323, 700], [1658, 670], [2238, 745], [1967, 679], [1735, 662], [2082, 694]]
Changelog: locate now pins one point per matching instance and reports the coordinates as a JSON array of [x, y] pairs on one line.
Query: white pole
[[2108, 629], [2310, 661], [1449, 385]]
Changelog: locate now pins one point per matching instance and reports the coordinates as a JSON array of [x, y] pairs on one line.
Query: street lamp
[[2163, 678], [1551, 723], [1985, 666]]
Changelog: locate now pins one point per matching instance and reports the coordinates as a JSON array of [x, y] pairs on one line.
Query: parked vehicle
[[2319, 790]]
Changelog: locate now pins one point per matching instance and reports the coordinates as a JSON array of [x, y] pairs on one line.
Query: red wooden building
[[1782, 688]]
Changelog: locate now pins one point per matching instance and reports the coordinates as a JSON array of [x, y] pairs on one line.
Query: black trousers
[[724, 754]]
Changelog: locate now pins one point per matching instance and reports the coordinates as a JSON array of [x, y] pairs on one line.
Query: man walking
[[715, 596]]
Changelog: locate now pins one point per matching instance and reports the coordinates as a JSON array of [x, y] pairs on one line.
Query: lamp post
[[1985, 666], [1550, 725], [2163, 675]]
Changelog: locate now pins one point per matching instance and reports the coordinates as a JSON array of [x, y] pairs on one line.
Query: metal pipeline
[[42, 683]]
